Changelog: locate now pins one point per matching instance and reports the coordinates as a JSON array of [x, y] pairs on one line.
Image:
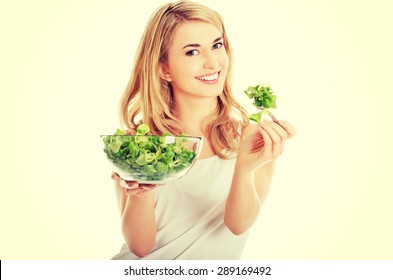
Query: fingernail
[[133, 186], [124, 184]]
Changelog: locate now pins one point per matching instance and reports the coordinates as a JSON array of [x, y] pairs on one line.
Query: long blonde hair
[[149, 98]]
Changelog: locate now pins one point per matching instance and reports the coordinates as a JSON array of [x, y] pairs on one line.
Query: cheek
[[179, 68], [223, 60]]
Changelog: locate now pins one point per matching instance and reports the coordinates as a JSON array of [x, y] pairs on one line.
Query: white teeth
[[208, 78]]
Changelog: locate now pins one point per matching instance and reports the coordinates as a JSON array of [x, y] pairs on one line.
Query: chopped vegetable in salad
[[148, 157]]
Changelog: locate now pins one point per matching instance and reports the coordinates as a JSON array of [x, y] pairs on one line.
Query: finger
[[288, 128], [148, 186], [276, 121], [143, 191], [275, 137], [133, 191], [268, 127], [138, 191], [283, 134], [129, 184], [267, 147], [115, 176]]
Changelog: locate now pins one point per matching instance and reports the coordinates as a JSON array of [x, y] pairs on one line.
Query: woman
[[181, 84]]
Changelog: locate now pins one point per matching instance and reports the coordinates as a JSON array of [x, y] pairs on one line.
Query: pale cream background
[[64, 65]]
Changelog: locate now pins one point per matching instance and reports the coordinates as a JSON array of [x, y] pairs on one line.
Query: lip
[[210, 81]]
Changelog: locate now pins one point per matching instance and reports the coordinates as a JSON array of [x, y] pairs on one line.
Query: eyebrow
[[198, 45]]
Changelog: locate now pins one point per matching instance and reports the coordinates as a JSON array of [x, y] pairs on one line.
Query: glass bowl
[[151, 159]]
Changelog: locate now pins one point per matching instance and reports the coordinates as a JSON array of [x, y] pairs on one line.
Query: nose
[[211, 61]]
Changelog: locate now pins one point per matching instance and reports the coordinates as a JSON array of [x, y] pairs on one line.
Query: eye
[[192, 52], [217, 45]]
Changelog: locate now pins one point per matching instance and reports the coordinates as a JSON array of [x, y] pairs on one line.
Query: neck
[[191, 112]]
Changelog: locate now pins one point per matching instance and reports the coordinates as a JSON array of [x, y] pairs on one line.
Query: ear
[[164, 74]]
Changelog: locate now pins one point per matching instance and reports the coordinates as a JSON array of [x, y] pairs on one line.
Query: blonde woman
[[181, 84]]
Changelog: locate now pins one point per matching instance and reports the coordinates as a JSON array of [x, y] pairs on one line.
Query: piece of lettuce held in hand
[[264, 99]]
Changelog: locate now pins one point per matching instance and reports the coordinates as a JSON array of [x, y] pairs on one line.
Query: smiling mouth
[[209, 78]]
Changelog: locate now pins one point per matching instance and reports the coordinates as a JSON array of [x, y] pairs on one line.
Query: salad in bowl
[[151, 159]]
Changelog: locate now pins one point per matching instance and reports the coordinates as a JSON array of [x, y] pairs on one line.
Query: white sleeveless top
[[190, 216]]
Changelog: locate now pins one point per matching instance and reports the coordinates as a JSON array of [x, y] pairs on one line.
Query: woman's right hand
[[133, 188]]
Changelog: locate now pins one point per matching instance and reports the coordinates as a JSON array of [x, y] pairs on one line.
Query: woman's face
[[197, 61]]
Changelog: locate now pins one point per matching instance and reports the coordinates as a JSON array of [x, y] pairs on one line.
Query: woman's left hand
[[263, 143]]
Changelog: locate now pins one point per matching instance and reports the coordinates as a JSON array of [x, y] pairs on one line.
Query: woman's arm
[[260, 147], [247, 193], [138, 224]]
